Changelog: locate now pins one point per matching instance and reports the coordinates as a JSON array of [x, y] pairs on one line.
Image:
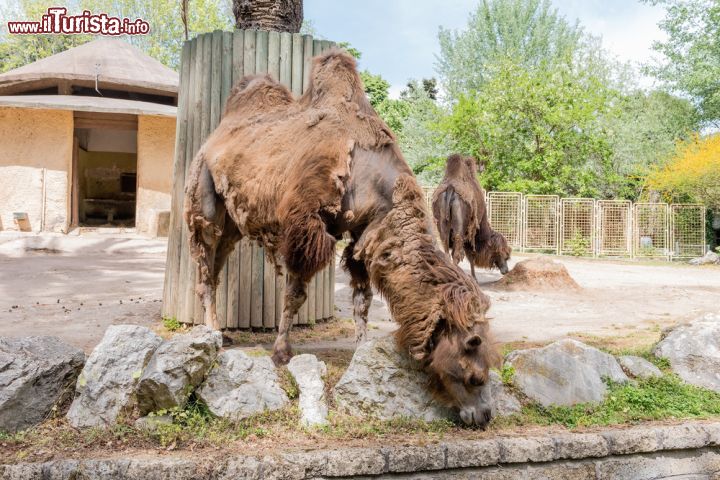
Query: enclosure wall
[[249, 293], [155, 151], [35, 160]]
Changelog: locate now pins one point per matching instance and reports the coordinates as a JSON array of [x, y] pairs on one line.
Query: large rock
[[638, 367], [308, 372], [384, 383], [106, 387], [240, 386], [710, 258], [504, 403], [693, 350], [565, 372], [36, 373], [177, 367]]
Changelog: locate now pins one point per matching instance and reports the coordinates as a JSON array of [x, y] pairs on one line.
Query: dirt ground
[[74, 287]]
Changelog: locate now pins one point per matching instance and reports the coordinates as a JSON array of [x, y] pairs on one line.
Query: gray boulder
[[385, 383], [177, 367], [639, 367], [710, 258], [106, 387], [308, 372], [565, 372], [36, 374], [503, 402], [240, 386], [693, 350]]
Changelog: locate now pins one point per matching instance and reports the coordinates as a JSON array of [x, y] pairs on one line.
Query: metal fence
[[597, 228]]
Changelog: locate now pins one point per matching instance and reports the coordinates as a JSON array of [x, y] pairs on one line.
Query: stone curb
[[502, 450]]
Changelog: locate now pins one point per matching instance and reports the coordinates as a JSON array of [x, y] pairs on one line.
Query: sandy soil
[[75, 287], [101, 280]]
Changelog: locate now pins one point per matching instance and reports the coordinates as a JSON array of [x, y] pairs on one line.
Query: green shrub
[[171, 324]]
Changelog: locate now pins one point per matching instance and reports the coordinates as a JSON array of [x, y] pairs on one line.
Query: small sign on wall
[[22, 221]]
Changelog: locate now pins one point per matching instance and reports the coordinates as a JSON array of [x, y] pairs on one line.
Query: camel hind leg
[[210, 229]]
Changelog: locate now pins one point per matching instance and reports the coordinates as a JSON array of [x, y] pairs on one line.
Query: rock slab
[[177, 367], [638, 367], [240, 386], [384, 383], [693, 351], [710, 258], [308, 372], [36, 373], [566, 372], [106, 386]]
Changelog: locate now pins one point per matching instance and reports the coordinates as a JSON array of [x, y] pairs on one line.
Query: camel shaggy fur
[[461, 218], [297, 174]]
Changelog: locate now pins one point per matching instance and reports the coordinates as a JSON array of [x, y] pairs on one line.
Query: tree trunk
[[277, 15]]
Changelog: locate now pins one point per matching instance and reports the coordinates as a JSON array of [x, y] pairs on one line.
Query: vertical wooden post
[[249, 293]]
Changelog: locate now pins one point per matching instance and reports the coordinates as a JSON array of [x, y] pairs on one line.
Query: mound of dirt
[[540, 273]]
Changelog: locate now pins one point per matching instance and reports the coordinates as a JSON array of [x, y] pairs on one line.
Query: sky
[[398, 38]]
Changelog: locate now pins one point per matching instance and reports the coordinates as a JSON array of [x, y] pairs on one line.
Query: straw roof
[[116, 64]]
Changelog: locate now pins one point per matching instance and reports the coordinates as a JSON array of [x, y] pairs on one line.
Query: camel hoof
[[281, 357]]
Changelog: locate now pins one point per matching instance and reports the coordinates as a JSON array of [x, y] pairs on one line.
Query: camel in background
[[297, 174], [461, 218]]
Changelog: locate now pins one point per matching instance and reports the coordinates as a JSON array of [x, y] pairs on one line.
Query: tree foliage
[[643, 133], [163, 43], [536, 129], [693, 173], [691, 51], [529, 31]]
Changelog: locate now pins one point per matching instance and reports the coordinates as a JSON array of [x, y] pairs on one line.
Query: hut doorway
[[104, 187]]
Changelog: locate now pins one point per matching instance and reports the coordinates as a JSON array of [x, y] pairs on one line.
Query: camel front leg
[[362, 298], [295, 295], [362, 292], [472, 270]]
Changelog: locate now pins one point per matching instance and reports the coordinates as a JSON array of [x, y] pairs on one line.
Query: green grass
[[664, 398]]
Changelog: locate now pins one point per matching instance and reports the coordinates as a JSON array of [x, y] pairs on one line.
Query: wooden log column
[[249, 294]]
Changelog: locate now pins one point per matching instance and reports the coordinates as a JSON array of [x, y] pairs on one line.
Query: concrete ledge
[[634, 453]]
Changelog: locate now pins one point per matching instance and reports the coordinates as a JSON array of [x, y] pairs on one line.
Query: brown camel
[[295, 175], [461, 217]]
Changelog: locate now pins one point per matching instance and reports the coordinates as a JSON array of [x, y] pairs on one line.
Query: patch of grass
[[507, 373], [288, 383], [345, 427], [663, 398], [171, 324]]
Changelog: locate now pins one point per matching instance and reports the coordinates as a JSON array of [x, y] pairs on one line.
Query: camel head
[[500, 251], [461, 353], [459, 370]]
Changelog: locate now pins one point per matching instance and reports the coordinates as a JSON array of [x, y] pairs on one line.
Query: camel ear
[[472, 342]]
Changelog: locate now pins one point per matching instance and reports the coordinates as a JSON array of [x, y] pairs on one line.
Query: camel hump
[[406, 189], [458, 166], [257, 93]]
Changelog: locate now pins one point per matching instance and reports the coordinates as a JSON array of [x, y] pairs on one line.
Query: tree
[[277, 15], [691, 63], [429, 85], [424, 145], [536, 128], [166, 28], [164, 16], [692, 174], [19, 50], [528, 31], [643, 131]]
